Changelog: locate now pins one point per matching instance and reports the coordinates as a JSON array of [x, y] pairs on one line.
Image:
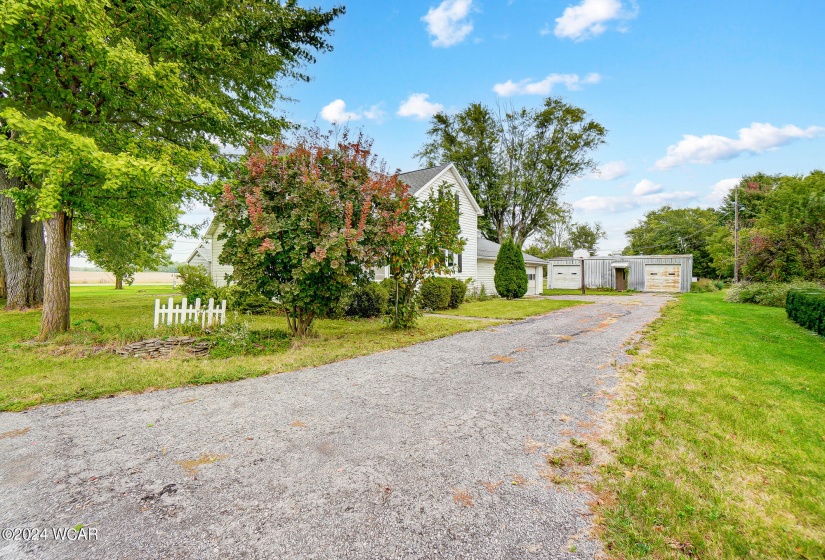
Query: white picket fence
[[172, 314]]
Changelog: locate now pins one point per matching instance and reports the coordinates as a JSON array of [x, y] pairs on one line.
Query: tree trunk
[[118, 282], [56, 286], [2, 277], [23, 252], [35, 245]]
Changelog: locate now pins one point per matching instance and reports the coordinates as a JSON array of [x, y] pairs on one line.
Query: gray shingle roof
[[489, 250], [420, 177]]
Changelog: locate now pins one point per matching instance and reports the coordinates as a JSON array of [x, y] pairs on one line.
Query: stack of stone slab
[[163, 347]]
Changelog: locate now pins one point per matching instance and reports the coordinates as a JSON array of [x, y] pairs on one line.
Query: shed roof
[[489, 250], [623, 257]]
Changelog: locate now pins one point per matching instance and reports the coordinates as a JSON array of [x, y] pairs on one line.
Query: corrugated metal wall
[[599, 274]]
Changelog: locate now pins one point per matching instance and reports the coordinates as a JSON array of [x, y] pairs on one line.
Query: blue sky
[[694, 94]]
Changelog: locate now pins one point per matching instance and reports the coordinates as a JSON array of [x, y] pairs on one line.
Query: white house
[[202, 255], [474, 263]]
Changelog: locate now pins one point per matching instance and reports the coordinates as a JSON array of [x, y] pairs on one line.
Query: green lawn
[[724, 452], [69, 367], [511, 309], [590, 292]]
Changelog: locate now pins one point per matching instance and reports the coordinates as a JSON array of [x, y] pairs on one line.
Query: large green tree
[[165, 82], [786, 240], [516, 161], [123, 245], [560, 236], [674, 231]]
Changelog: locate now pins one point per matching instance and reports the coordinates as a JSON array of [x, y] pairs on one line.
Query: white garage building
[[643, 273]]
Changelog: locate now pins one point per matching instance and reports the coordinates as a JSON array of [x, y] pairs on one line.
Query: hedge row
[[807, 307], [442, 293]]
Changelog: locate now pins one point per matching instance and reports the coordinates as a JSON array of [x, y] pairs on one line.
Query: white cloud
[[375, 113], [589, 18], [336, 113], [417, 106], [607, 172], [720, 189], [623, 203], [646, 187], [757, 138], [545, 86], [448, 22]]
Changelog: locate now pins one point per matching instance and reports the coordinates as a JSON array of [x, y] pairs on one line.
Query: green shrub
[[772, 294], [704, 285], [807, 307], [368, 301], [196, 282], [458, 290], [511, 276], [435, 294], [250, 303]]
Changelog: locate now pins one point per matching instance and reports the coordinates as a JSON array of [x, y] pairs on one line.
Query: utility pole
[[736, 236]]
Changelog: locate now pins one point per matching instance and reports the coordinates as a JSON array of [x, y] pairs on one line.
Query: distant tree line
[[781, 230]]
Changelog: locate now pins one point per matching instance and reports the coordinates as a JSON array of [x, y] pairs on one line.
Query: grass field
[[724, 452], [510, 309], [73, 367]]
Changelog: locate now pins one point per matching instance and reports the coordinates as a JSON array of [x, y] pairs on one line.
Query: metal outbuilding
[[643, 273]]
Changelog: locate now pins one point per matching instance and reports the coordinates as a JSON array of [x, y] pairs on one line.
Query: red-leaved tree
[[306, 222]]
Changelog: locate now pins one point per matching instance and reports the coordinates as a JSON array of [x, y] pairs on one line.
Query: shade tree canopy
[[516, 161]]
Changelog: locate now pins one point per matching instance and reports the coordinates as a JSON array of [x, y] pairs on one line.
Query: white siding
[[219, 271], [486, 276], [468, 221], [198, 260]]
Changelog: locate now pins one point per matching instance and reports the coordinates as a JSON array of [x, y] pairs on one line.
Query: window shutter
[[459, 262]]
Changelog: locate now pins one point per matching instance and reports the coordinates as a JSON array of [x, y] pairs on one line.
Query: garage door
[[566, 276], [663, 277]]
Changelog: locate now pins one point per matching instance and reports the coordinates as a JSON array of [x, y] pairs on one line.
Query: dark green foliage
[[511, 276], [368, 301], [772, 294], [458, 290], [435, 294], [196, 282], [677, 231], [389, 285], [807, 307], [247, 302]]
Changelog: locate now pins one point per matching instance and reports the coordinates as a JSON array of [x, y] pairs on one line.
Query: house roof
[[203, 250], [419, 178], [489, 250]]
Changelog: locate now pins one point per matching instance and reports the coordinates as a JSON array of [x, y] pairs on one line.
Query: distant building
[[202, 256], [643, 273]]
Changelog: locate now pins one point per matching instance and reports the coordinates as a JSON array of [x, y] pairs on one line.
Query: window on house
[[531, 276]]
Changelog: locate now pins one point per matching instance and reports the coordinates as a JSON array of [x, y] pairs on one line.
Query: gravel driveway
[[431, 451]]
